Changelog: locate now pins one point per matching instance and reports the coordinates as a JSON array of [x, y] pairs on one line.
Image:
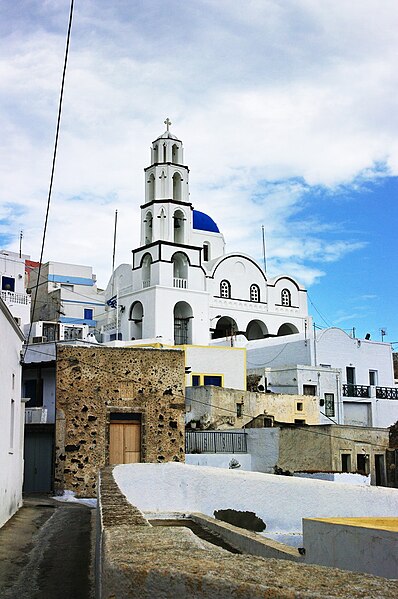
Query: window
[[225, 289], [254, 293], [286, 298], [309, 389], [12, 424], [88, 313], [7, 284], [362, 463], [66, 286], [34, 390], [346, 462], [373, 377], [329, 404], [195, 380], [239, 410], [212, 379], [300, 406], [206, 252]]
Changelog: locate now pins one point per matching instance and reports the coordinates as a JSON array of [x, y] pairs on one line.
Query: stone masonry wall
[[92, 383]]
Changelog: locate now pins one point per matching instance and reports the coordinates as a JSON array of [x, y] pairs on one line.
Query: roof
[[167, 135], [204, 222]]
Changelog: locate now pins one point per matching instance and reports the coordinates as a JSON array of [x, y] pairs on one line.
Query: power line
[[328, 324], [53, 163]]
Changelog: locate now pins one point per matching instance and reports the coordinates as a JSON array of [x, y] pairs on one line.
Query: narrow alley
[[46, 551]]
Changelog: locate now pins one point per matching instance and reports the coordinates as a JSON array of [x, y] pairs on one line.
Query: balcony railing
[[215, 442], [35, 415], [179, 283], [356, 390], [9, 297], [387, 392]]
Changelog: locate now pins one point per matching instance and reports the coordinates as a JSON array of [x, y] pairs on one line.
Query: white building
[[67, 294], [13, 292], [182, 288], [12, 415], [353, 378]]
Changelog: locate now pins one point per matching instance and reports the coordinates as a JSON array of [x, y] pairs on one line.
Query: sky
[[288, 114]]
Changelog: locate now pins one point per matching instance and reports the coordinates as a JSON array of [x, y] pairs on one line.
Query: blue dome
[[203, 222]]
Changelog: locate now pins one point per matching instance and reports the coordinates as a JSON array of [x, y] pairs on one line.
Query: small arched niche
[[287, 329], [162, 224], [151, 187], [136, 316], [183, 316], [225, 327], [256, 329], [206, 251], [178, 226]]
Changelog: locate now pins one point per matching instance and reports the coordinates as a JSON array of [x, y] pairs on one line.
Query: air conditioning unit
[[39, 340]]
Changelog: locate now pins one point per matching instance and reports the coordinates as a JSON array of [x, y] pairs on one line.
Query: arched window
[[180, 270], [164, 152], [206, 251], [225, 289], [286, 298], [254, 293], [174, 154], [146, 270]]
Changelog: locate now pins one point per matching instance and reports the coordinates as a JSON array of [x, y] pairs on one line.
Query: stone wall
[[95, 382]]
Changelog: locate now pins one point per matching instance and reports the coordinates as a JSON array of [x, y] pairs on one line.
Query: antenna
[[114, 243], [20, 243], [264, 258], [383, 333]]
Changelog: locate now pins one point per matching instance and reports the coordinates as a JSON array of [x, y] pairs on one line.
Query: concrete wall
[[94, 382], [263, 446], [358, 544], [12, 416], [217, 407], [280, 501]]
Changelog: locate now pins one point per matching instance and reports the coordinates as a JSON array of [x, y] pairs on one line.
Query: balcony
[[35, 415], [356, 390], [215, 442], [179, 283], [10, 297], [387, 392]]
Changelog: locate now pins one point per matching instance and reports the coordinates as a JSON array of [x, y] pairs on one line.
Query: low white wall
[[280, 501], [263, 445], [350, 478], [219, 460]]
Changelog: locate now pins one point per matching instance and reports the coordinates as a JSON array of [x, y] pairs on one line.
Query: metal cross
[[167, 122]]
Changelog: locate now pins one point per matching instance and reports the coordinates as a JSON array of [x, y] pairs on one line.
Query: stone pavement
[[46, 551]]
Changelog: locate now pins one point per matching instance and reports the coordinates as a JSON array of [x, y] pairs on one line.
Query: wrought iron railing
[[15, 298], [215, 442], [387, 392], [356, 390]]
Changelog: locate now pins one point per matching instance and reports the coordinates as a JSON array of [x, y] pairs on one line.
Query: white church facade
[[182, 288]]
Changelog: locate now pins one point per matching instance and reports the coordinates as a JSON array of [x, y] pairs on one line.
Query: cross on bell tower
[[167, 122]]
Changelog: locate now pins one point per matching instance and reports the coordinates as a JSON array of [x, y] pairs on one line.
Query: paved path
[[46, 552]]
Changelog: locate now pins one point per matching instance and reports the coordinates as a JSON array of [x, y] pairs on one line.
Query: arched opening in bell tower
[[180, 270], [174, 154], [177, 186], [178, 226], [146, 270], [151, 187], [148, 227]]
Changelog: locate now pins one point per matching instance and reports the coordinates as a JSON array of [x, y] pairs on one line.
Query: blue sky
[[288, 114]]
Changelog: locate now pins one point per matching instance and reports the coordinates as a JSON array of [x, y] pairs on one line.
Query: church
[[182, 288]]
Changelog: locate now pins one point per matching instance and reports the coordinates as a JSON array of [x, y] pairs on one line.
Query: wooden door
[[124, 442], [38, 462]]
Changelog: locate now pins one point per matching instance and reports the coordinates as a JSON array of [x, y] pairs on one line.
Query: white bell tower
[[166, 214]]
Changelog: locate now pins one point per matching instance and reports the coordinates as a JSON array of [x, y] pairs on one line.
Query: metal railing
[[15, 298], [179, 283], [356, 390], [215, 442], [35, 415], [387, 392], [146, 283]]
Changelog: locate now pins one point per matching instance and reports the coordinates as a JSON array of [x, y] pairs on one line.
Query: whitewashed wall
[[228, 361], [12, 416], [281, 501]]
